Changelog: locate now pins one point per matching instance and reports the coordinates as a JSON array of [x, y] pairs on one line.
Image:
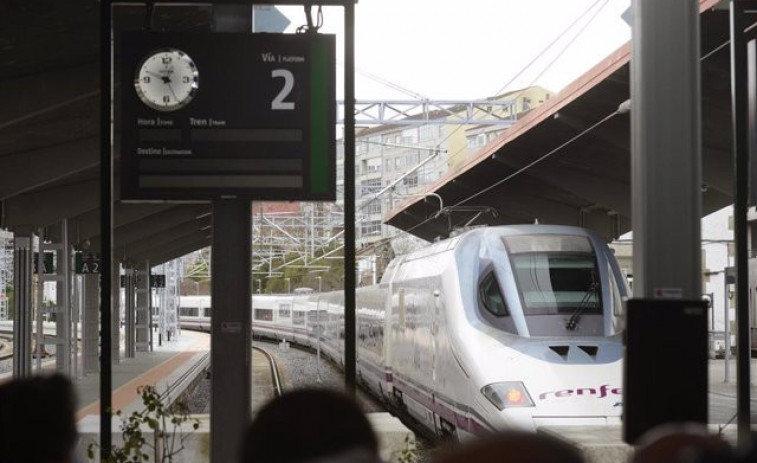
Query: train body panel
[[513, 326]]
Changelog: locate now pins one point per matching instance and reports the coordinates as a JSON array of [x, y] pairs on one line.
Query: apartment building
[[394, 162]]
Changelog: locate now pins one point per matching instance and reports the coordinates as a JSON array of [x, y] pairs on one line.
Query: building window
[[411, 181], [374, 207], [411, 159], [410, 136], [427, 132], [370, 228], [370, 186]]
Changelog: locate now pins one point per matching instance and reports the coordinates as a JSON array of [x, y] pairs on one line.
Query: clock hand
[[172, 92], [165, 79]]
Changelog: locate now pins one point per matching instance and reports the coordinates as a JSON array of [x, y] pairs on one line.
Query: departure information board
[[223, 115]]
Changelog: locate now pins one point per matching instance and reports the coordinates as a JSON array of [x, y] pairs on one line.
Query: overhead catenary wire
[[549, 65], [561, 35], [621, 110]]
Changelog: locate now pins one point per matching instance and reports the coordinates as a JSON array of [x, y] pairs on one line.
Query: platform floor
[[160, 368]]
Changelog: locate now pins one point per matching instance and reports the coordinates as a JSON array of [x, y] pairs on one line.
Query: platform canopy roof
[[568, 161], [49, 133]]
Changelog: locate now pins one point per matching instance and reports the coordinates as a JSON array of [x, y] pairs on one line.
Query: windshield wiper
[[576, 315]]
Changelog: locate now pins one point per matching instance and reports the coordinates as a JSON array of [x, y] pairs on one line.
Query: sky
[[465, 50]]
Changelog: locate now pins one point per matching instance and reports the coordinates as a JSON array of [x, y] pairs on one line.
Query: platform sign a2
[[86, 263], [222, 115]]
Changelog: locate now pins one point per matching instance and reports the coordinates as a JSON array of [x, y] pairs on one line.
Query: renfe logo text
[[603, 391]]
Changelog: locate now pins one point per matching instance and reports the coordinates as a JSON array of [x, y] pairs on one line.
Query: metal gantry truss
[[296, 239], [421, 112]]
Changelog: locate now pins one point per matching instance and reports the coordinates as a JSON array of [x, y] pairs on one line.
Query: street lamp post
[[289, 284], [319, 283], [260, 285]]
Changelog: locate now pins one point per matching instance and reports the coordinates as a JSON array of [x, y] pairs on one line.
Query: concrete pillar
[[22, 305], [666, 149], [172, 301], [77, 301], [39, 340], [231, 321], [63, 338], [142, 325], [129, 314], [115, 318], [91, 323]]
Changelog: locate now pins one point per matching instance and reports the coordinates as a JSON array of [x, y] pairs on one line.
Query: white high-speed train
[[511, 326]]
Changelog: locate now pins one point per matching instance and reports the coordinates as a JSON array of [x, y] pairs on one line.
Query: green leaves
[[164, 420]]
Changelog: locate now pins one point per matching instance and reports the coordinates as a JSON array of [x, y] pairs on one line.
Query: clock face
[[167, 79]]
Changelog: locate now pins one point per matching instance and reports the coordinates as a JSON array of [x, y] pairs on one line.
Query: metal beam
[[49, 206], [23, 171], [39, 94], [743, 63], [87, 226], [170, 253], [155, 224], [177, 234], [350, 353]]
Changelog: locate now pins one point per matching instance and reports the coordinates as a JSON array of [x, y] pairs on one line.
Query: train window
[[264, 314], [555, 274], [617, 301], [299, 317], [491, 296], [188, 311], [402, 312], [285, 311]]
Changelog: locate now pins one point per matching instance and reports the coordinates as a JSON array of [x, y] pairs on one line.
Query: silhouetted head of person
[[309, 425], [742, 454], [678, 443], [37, 420], [512, 446]]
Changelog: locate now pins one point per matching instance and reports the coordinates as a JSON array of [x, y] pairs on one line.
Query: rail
[[275, 378], [176, 389]]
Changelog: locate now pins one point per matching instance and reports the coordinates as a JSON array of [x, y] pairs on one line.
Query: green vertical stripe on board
[[319, 110]]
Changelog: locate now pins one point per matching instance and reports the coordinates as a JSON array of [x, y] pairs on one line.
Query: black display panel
[[223, 115], [665, 365]]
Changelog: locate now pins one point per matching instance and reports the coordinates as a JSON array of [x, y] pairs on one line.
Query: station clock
[[166, 79]]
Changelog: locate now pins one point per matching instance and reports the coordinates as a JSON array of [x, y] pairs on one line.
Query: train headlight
[[507, 394]]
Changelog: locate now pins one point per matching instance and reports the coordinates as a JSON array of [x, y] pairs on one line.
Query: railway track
[[278, 389], [6, 345]]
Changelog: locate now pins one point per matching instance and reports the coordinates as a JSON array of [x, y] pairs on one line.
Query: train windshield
[[555, 274]]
